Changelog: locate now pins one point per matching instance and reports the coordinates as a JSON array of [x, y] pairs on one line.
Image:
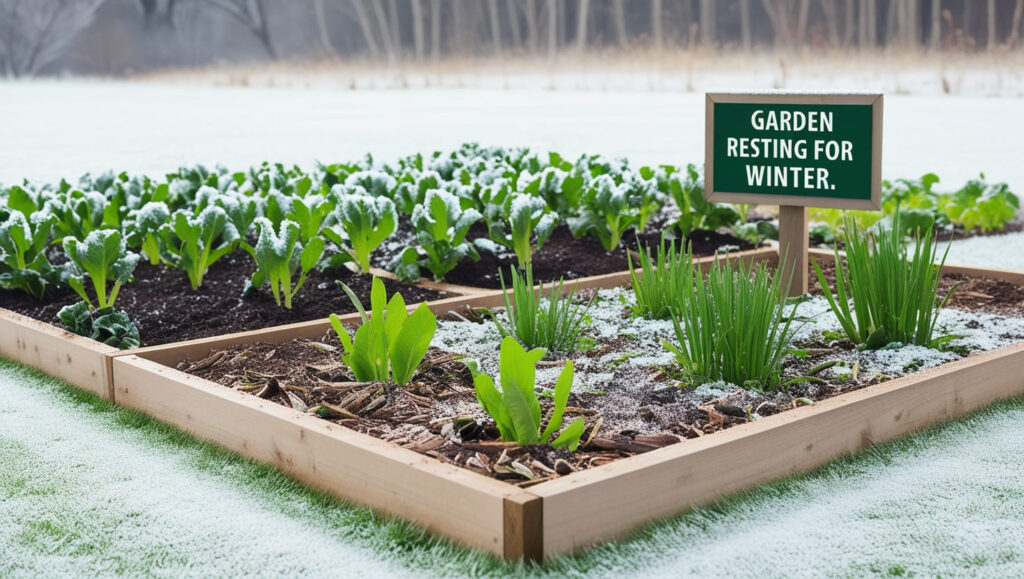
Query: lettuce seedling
[[23, 262], [106, 325], [102, 256], [195, 243], [979, 205], [78, 214], [390, 342], [279, 256], [364, 222], [143, 228], [516, 408], [441, 227], [528, 219], [605, 212], [687, 188]]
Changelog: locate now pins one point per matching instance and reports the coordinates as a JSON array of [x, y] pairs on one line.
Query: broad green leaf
[[562, 389], [412, 343], [570, 437]]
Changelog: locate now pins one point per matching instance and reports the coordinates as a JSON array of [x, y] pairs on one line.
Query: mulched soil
[[307, 375], [563, 256], [166, 309]]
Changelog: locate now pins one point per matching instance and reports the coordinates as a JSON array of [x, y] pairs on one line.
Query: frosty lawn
[[91, 488]]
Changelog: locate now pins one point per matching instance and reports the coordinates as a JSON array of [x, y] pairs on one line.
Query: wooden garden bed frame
[[549, 518]]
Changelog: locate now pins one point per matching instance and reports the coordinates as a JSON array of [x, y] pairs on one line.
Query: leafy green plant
[[102, 256], [516, 408], [556, 327], [195, 243], [364, 222], [528, 219], [143, 229], [390, 342], [664, 279], [23, 261], [687, 189], [79, 213], [732, 327], [605, 211], [106, 325], [893, 288], [979, 205], [441, 227], [280, 256]]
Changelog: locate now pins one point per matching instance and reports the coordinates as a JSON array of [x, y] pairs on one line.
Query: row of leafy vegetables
[[90, 235]]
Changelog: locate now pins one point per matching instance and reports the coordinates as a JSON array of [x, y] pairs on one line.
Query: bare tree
[[707, 22], [619, 19], [513, 21], [991, 44], [321, 25], [156, 13], [745, 24], [393, 29], [656, 23], [531, 25], [850, 23], [385, 32], [831, 21], [417, 28], [1018, 8], [253, 15], [552, 28], [435, 30], [582, 15], [367, 29], [935, 36], [34, 33], [492, 12]]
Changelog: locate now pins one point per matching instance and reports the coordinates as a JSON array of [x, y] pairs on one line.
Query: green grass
[[946, 501]]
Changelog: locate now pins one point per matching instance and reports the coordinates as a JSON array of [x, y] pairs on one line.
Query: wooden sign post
[[794, 150]]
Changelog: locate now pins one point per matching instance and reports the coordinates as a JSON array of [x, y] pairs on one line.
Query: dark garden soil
[[307, 375], [166, 309], [566, 257]]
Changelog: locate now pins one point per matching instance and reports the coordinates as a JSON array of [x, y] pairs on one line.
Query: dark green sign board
[[795, 149]]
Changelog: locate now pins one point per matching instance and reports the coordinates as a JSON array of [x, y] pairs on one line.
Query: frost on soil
[[628, 363]]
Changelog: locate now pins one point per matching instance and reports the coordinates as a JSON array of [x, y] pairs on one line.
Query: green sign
[[795, 149]]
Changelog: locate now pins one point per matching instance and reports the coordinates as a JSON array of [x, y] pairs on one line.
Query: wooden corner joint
[[524, 527]]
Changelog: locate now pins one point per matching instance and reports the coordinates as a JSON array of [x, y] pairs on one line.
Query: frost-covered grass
[[89, 489]]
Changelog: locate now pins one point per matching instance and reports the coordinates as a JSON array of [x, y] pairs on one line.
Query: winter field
[[88, 489]]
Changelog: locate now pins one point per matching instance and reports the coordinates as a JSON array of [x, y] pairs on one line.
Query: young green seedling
[[102, 256], [390, 343], [516, 408], [280, 256], [23, 261], [195, 243], [364, 222]]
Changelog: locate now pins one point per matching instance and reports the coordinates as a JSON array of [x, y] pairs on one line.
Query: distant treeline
[[123, 36]]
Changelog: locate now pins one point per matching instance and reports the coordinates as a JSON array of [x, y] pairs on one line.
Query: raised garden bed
[[635, 473]]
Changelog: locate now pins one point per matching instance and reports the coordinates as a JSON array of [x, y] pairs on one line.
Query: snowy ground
[[90, 490], [59, 129]]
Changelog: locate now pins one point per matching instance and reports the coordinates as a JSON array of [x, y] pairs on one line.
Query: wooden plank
[[451, 288], [657, 484], [793, 246], [75, 359], [524, 527], [455, 502]]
